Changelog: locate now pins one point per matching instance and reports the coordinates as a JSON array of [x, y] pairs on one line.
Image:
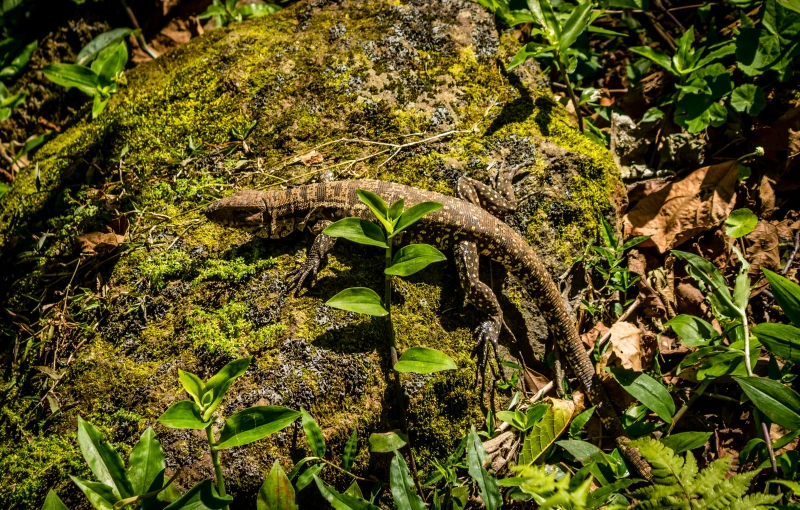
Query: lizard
[[468, 225]]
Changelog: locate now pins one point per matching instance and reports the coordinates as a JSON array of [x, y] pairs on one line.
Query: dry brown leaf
[[762, 250], [682, 209], [311, 158], [625, 349], [591, 336], [98, 242], [689, 299]]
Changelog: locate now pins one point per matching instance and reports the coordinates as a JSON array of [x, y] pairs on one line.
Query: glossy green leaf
[[192, 384], [402, 485], [99, 104], [183, 415], [487, 483], [707, 273], [307, 476], [646, 390], [203, 496], [413, 214], [219, 383], [582, 450], [778, 402], [101, 42], [257, 10], [378, 207], [342, 501], [575, 25], [386, 442], [514, 418], [693, 331], [656, 56], [103, 459], [781, 340], [748, 98], [787, 294], [350, 451], [686, 441], [542, 11], [740, 223], [110, 62], [19, 62], [413, 258], [579, 422], [359, 300], [53, 502], [527, 51], [359, 231], [396, 210], [146, 464], [354, 490], [71, 75], [313, 434], [254, 423], [422, 360], [276, 493], [100, 495]]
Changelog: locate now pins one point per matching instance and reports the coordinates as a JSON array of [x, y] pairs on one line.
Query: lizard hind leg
[[485, 301], [308, 270]]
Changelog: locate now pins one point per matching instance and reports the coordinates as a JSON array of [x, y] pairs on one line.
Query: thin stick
[[622, 318], [794, 253], [139, 37]]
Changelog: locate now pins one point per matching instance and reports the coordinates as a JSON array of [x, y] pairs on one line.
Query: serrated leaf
[[402, 485], [277, 492], [778, 402], [544, 433], [103, 459], [487, 483], [350, 451], [359, 300], [748, 98], [313, 434], [254, 423], [413, 258], [422, 360], [646, 390], [358, 231]]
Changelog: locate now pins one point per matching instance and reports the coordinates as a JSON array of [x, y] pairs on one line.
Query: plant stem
[[571, 92], [215, 461], [697, 394], [746, 343]]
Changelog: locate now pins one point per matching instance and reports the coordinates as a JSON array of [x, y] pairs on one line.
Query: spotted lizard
[[468, 225]]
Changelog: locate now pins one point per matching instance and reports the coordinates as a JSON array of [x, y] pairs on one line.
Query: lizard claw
[[306, 272], [488, 334]]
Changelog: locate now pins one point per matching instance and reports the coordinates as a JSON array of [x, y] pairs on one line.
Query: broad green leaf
[[781, 340], [350, 451], [413, 214], [183, 415], [99, 104], [748, 98], [277, 492], [787, 294], [378, 207], [656, 56], [103, 459], [110, 62], [402, 485], [422, 360], [71, 75], [544, 434], [722, 51], [386, 441], [202, 496], [257, 10], [192, 384], [342, 501], [19, 62], [575, 25], [706, 272], [219, 383], [579, 422], [693, 331], [313, 434], [684, 59], [653, 114], [254, 423], [359, 231], [307, 476], [646, 390], [600, 496], [543, 12], [396, 210], [514, 418], [359, 300], [487, 483], [527, 51], [412, 258], [778, 402], [100, 495], [100, 42], [146, 464], [740, 223], [535, 414], [53, 502], [582, 451], [686, 441]]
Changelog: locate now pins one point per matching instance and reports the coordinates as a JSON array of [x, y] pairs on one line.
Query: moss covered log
[[321, 82]]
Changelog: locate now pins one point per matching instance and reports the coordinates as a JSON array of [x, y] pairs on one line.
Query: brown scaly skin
[[462, 225]]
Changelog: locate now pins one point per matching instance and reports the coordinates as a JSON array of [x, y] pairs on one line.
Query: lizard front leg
[[319, 250], [498, 198]]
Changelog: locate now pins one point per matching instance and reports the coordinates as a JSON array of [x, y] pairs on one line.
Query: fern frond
[[668, 468], [656, 492], [728, 491], [754, 502], [668, 502], [711, 476]]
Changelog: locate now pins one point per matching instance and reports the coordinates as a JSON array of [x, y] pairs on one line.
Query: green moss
[[156, 268], [234, 270]]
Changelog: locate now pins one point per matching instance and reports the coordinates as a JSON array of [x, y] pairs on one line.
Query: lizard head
[[246, 209]]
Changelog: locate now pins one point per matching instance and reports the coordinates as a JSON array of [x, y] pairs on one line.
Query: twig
[[768, 440], [668, 12], [139, 37], [793, 254], [622, 318]]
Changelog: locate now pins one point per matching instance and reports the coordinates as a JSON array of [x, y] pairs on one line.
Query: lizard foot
[[487, 334], [305, 273]]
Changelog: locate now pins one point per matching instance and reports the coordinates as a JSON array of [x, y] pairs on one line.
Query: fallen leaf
[[311, 158], [689, 299], [98, 242], [590, 337], [682, 209], [762, 249], [625, 348]]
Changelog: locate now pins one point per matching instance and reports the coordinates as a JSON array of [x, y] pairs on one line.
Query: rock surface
[[116, 323]]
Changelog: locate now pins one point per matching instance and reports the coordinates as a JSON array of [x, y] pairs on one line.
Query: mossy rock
[[184, 293]]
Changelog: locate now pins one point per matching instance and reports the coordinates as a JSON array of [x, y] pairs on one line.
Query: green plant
[[101, 80], [8, 103], [14, 57], [225, 11]]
